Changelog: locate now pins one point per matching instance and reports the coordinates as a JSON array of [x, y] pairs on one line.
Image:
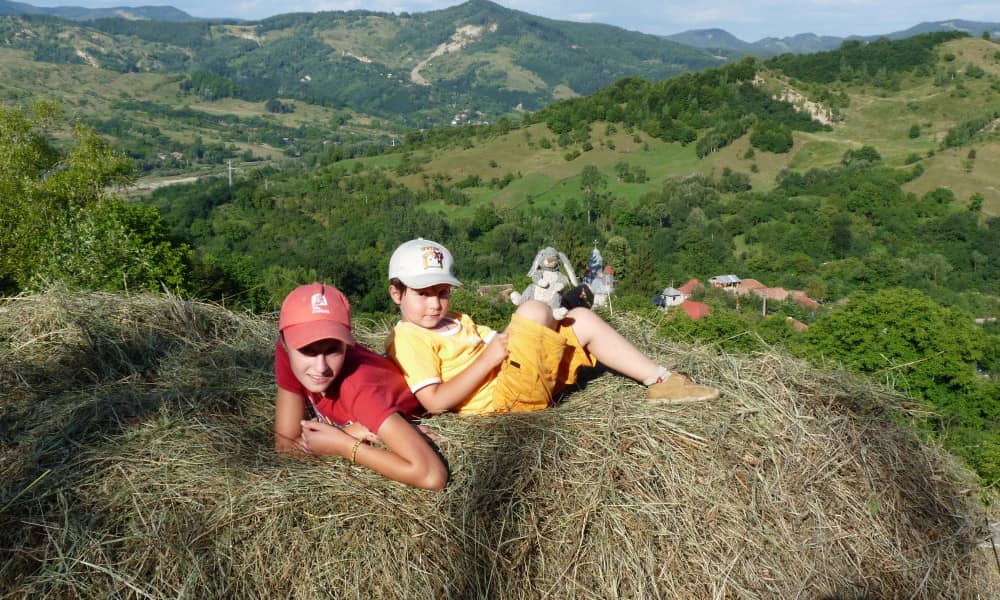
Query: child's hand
[[496, 350], [322, 439], [359, 431]]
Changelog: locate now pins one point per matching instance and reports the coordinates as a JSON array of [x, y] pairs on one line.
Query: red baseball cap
[[315, 312]]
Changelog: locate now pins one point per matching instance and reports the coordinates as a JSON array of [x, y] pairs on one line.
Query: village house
[[725, 282], [796, 324], [670, 297]]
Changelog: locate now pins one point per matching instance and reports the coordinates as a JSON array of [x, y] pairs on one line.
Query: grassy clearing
[[79, 88], [951, 169], [137, 463], [546, 174]]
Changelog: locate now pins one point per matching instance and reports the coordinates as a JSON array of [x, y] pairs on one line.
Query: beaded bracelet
[[354, 451]]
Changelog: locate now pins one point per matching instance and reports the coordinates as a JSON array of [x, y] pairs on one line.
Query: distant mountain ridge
[[472, 62], [79, 13], [807, 43]]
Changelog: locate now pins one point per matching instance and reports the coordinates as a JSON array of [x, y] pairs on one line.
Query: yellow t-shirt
[[540, 362], [428, 356]]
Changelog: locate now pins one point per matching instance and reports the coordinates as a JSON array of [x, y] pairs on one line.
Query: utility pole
[[230, 161]]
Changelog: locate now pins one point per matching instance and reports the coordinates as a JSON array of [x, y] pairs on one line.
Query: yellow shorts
[[540, 363]]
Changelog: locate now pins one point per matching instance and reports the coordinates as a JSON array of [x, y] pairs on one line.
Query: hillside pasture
[[92, 90], [546, 174], [950, 169]]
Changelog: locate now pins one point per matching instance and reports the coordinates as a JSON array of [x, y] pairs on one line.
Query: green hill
[[78, 13], [956, 82], [420, 69]]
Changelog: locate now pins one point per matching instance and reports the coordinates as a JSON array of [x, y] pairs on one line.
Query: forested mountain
[[475, 61], [78, 13], [807, 43]]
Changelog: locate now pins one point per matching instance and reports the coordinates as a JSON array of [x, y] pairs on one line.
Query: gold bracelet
[[354, 451]]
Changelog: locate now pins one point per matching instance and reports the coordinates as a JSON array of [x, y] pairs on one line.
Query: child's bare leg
[[537, 311], [610, 348]]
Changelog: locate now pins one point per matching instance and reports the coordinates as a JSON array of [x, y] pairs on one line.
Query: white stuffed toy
[[547, 281]]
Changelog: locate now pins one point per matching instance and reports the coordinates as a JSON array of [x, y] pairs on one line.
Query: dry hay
[[136, 462]]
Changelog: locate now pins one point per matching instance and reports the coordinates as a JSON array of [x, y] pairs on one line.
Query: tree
[[866, 156], [928, 351], [58, 221], [905, 338], [771, 136], [592, 182], [640, 273], [841, 238]]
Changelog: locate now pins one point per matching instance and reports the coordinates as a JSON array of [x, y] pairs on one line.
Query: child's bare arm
[[446, 396], [289, 410], [409, 458]]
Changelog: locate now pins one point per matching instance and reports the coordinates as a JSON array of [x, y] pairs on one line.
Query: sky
[[749, 21]]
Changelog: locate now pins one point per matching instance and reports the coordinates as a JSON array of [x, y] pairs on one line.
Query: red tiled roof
[[804, 300], [689, 287], [751, 284], [696, 310], [778, 294]]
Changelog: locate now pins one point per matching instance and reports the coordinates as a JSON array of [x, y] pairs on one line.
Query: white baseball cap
[[421, 264]]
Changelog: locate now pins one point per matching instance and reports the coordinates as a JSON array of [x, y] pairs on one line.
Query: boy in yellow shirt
[[452, 364]]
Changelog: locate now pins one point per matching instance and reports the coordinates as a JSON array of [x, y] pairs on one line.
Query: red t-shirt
[[367, 391]]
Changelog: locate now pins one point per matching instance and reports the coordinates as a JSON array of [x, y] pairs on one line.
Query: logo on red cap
[[319, 304], [315, 312]]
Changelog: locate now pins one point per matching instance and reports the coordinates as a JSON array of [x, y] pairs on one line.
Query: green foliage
[[865, 156], [964, 132], [59, 223], [880, 63], [630, 173], [904, 336], [732, 181], [772, 137], [723, 102], [208, 86], [189, 34], [975, 71], [112, 247]]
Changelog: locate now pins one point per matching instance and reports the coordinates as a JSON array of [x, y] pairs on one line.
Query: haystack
[[137, 463]]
